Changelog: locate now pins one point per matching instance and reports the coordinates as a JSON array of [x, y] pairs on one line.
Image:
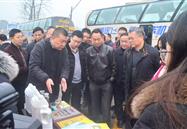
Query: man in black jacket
[[140, 63], [77, 69], [101, 69], [49, 64], [37, 35], [119, 90]]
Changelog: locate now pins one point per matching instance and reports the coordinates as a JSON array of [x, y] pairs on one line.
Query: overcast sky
[[11, 9]]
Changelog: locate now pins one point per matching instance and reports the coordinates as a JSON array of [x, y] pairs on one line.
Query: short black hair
[[58, 31], [77, 33], [3, 37], [97, 30], [124, 34], [37, 29], [12, 32], [122, 28], [86, 30], [109, 35]]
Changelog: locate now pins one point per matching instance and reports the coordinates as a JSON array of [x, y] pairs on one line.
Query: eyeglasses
[[165, 51]]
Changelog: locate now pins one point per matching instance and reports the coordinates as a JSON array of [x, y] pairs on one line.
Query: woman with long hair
[[162, 104]]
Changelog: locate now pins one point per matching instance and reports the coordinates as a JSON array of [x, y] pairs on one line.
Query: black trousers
[[73, 94], [76, 95], [101, 96], [119, 97]]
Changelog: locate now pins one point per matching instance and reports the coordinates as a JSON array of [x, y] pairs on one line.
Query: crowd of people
[[148, 83]]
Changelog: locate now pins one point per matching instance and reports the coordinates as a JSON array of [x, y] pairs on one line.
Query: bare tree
[[32, 9], [73, 8]]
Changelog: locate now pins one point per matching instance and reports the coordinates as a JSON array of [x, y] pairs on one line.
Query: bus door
[[148, 29]]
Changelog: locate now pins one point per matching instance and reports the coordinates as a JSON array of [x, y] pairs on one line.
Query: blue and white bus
[[154, 17]]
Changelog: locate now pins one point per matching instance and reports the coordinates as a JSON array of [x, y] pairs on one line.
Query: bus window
[[130, 14], [148, 29], [182, 9], [48, 23], [92, 17], [160, 11], [42, 23], [107, 16], [30, 26]]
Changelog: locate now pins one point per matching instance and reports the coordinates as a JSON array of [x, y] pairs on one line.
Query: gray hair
[[139, 31]]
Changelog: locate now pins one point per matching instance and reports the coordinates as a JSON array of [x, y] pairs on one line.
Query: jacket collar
[[98, 49]]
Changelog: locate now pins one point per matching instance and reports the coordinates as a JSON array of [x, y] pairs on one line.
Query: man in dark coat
[[77, 69], [119, 90], [140, 63], [15, 50], [49, 64], [37, 35], [101, 70], [86, 43]]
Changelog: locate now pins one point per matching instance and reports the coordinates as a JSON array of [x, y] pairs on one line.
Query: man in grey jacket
[[49, 64]]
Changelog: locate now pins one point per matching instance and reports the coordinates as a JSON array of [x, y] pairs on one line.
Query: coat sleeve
[[113, 64], [65, 68], [35, 64]]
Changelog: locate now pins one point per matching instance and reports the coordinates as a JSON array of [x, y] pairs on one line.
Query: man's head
[[76, 39], [16, 37], [108, 37], [49, 32], [97, 37], [136, 37], [38, 34], [121, 30], [59, 38], [86, 35], [3, 38], [124, 41]]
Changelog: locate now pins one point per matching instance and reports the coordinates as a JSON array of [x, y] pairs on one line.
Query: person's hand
[[63, 84], [49, 84]]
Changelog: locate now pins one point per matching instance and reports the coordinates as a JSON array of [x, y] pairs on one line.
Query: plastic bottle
[[46, 118], [38, 102]]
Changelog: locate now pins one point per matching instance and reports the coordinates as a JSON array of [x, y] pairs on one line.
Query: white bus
[[154, 17]]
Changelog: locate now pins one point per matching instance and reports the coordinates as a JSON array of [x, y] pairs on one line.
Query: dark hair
[[37, 29], [167, 91], [124, 34], [122, 28], [163, 41], [12, 32], [109, 35], [58, 31], [51, 27], [77, 33], [86, 30], [97, 31], [177, 39], [3, 37]]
